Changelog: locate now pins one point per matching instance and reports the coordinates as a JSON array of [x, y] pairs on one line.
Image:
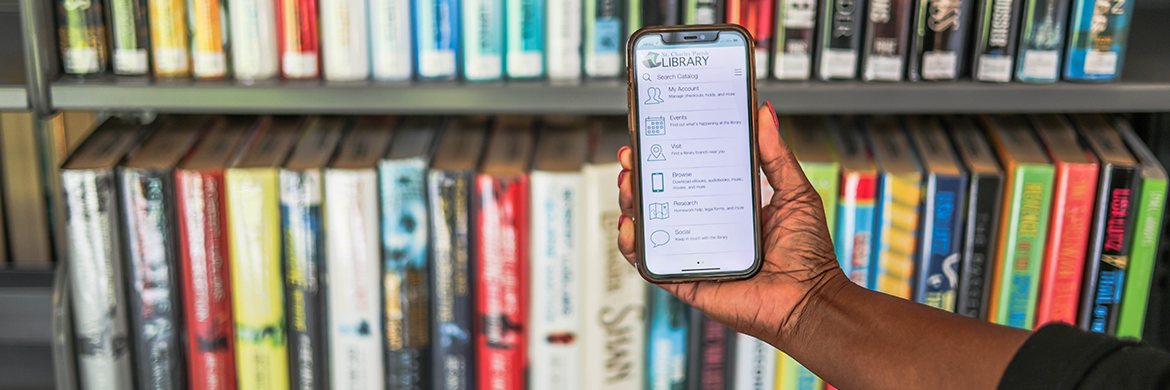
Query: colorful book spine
[[756, 17], [1023, 228], [405, 250], [168, 38], [253, 214], [1098, 35], [556, 323], [839, 44], [995, 45], [436, 24], [82, 36], [1042, 40], [1109, 253], [703, 11], [980, 219], [524, 29], [710, 344], [939, 41], [304, 244], [299, 39], [1147, 234], [502, 283], [887, 36], [345, 48], [795, 27], [755, 364], [208, 41], [790, 375], [451, 353], [937, 274], [255, 55], [131, 37], [855, 218], [483, 39], [563, 33], [604, 38], [666, 350], [892, 266], [390, 40]]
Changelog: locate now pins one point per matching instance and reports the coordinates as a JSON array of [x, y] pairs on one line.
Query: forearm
[[855, 338]]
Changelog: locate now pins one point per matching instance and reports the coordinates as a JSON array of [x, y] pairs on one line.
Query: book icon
[[655, 125], [660, 210]]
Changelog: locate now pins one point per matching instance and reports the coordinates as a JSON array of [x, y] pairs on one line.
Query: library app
[[694, 140]]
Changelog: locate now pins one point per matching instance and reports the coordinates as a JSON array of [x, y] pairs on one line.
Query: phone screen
[[694, 137]]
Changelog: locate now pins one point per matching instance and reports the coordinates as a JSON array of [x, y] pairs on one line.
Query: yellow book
[[898, 198], [168, 38]]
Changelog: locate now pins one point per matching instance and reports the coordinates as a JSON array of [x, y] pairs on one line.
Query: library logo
[[678, 59], [651, 60]]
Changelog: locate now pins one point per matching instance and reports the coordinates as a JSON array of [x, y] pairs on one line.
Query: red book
[[756, 16], [298, 38], [1073, 195]]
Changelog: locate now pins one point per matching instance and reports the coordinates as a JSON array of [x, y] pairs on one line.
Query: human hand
[[799, 261]]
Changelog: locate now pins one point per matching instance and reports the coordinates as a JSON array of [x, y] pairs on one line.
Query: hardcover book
[[255, 55], [169, 39], [81, 34], [855, 204], [29, 237], [938, 45], [604, 38], [483, 39], [436, 34], [345, 45], [1073, 190], [299, 39], [633, 17], [898, 205], [1023, 223], [1113, 223], [756, 17], [1098, 33], [995, 44], [524, 29], [658, 12], [839, 43], [564, 38], [209, 42], [945, 184], [1042, 40], [887, 36], [795, 30], [703, 11], [130, 37], [712, 346], [666, 349], [1147, 230], [391, 50], [980, 218], [790, 375], [811, 143]]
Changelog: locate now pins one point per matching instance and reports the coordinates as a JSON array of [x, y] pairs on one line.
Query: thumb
[[776, 159]]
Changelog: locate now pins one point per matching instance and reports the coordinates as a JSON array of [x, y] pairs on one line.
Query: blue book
[[666, 350], [940, 241], [483, 40], [899, 198], [525, 32], [436, 38], [1097, 39], [855, 203], [1042, 41]]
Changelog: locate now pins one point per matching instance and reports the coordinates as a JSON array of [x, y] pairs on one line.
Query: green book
[[808, 137], [1147, 232]]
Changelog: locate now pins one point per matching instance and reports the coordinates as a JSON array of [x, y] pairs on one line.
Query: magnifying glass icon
[[646, 76]]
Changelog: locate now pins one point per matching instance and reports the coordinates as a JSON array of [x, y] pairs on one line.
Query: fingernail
[[775, 119], [621, 220], [620, 150], [621, 175]]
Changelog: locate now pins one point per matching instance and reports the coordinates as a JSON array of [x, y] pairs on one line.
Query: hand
[[799, 260]]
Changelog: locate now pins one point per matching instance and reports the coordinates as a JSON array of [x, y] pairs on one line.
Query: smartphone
[[693, 131]]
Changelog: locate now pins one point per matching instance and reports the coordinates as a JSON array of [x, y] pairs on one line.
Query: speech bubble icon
[[659, 238]]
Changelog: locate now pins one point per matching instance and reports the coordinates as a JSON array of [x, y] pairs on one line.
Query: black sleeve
[[1066, 358]]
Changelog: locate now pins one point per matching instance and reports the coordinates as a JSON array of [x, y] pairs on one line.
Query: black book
[[995, 45], [660, 12], [709, 363], [839, 43], [981, 220], [887, 34], [939, 44]]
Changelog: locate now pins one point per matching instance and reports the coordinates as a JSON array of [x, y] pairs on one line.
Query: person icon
[[653, 95], [656, 153]]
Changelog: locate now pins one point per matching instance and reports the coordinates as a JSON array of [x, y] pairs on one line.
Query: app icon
[[653, 96], [656, 153], [659, 238], [660, 210], [656, 182], [655, 125]]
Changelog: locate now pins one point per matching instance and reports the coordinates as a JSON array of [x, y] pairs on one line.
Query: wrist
[[810, 312]]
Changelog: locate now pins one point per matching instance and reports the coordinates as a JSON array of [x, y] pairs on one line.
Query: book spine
[[940, 39], [208, 42], [703, 11], [1143, 254], [82, 33], [207, 300], [755, 364], [887, 35], [795, 27], [254, 224], [790, 375], [855, 225], [390, 44], [254, 50], [604, 37], [664, 12], [1068, 236], [524, 29], [633, 17], [564, 39], [995, 46], [147, 223], [354, 300], [666, 350], [1098, 35], [1023, 228], [840, 39], [825, 179], [892, 266], [131, 37], [299, 39], [756, 17], [979, 235], [1112, 230], [168, 38], [436, 34], [483, 39], [451, 352], [304, 242], [99, 304], [501, 294], [939, 245], [405, 242], [1042, 40], [556, 323], [345, 48], [709, 345]]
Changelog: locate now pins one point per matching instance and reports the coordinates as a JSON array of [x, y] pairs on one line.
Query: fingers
[[626, 157], [626, 243], [626, 181], [776, 159]]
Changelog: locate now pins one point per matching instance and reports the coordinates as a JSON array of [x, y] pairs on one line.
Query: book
[[255, 55], [666, 338], [633, 17], [604, 39], [1147, 233], [941, 224], [755, 364], [252, 184], [1042, 40], [1098, 33], [301, 194], [1073, 190], [1023, 223], [790, 375], [390, 44], [887, 37], [129, 37], [796, 22], [299, 39], [703, 11], [100, 328], [756, 17], [524, 29], [169, 43], [345, 40], [839, 42], [29, 232], [898, 206], [81, 35], [811, 143], [994, 47], [563, 39], [657, 13], [712, 346], [855, 202], [436, 34], [146, 181], [205, 262], [483, 39], [209, 43], [981, 216], [405, 251], [938, 45], [1113, 224], [352, 256], [449, 188]]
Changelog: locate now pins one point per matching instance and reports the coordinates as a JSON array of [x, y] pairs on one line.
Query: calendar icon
[[655, 125]]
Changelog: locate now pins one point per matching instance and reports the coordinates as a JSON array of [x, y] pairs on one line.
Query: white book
[[564, 39], [255, 55], [483, 39], [524, 30], [344, 49], [755, 364], [390, 39]]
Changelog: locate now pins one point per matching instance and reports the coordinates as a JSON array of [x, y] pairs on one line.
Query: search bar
[[697, 75]]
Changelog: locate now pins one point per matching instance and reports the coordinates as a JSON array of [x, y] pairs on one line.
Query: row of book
[[463, 252], [485, 40]]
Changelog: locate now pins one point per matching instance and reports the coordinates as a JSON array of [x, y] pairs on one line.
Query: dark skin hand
[[801, 303]]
